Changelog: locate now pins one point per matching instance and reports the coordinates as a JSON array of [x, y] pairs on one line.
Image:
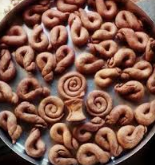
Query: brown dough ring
[[34, 146], [126, 19], [28, 113], [38, 40], [107, 31], [65, 57], [15, 36], [52, 18], [51, 109], [60, 155], [32, 15], [131, 90], [145, 113], [136, 40], [99, 103], [60, 133], [84, 132], [79, 34], [25, 57], [58, 36], [121, 114], [150, 50], [87, 63], [72, 85], [124, 57], [7, 67], [105, 49], [105, 77], [6, 94], [107, 139], [29, 89], [151, 82], [46, 63], [97, 155], [140, 71], [8, 122], [129, 136]]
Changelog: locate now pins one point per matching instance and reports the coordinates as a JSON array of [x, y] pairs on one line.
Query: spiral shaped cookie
[[151, 82], [51, 109], [46, 63], [7, 67], [84, 132], [25, 57], [87, 63], [60, 133], [29, 88], [129, 136], [150, 50], [28, 113], [38, 39], [64, 58], [107, 139], [60, 155], [99, 103], [72, 85], [97, 155], [121, 114], [145, 113], [34, 145], [105, 77], [6, 94], [131, 90], [8, 122]]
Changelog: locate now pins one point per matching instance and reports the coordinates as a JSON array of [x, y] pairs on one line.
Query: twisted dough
[[126, 19], [107, 31], [29, 88], [38, 39], [7, 67], [107, 139], [124, 57], [25, 57], [87, 63], [52, 18], [64, 58], [79, 34], [72, 85], [28, 112], [106, 49], [46, 63], [140, 71], [136, 40], [129, 136], [150, 50], [106, 77], [99, 103], [60, 155], [60, 133], [34, 146], [90, 154], [151, 82], [84, 132], [6, 93], [131, 90], [121, 114], [51, 109], [58, 36], [145, 113], [8, 122], [15, 36]]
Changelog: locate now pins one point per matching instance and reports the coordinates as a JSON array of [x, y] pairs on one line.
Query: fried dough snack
[[8, 122], [7, 67], [34, 145], [151, 82], [51, 109], [46, 63], [150, 50], [60, 133], [25, 57]]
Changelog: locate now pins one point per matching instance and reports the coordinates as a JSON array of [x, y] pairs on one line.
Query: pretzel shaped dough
[[150, 50], [151, 82]]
